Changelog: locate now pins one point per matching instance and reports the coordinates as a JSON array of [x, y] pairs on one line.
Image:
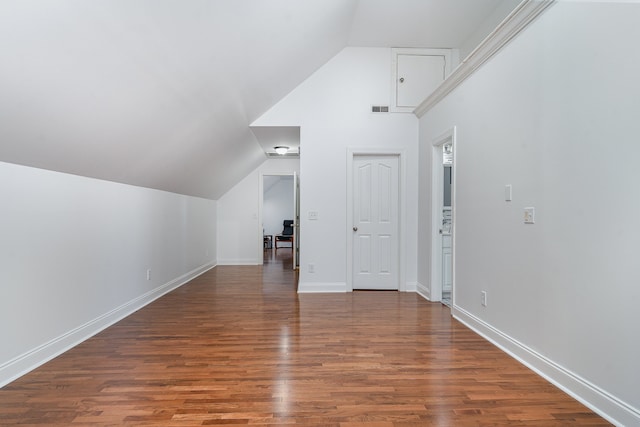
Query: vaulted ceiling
[[161, 93]]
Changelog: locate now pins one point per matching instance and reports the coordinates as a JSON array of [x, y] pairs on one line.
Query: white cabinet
[[447, 266], [416, 73], [447, 252]]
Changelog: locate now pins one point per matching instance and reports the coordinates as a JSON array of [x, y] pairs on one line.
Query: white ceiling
[[161, 93], [419, 23]]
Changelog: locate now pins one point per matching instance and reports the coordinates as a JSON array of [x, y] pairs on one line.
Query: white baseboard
[[606, 405], [423, 291], [318, 287], [411, 287], [38, 356], [240, 262]]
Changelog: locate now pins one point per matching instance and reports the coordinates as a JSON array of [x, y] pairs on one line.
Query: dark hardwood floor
[[238, 346]]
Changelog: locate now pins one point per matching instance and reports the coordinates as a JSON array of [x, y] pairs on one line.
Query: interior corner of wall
[[411, 287], [423, 291]]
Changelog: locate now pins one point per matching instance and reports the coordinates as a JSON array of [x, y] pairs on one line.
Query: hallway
[[238, 345]]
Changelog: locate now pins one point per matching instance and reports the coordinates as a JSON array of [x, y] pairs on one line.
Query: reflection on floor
[[238, 346], [446, 298], [281, 258]]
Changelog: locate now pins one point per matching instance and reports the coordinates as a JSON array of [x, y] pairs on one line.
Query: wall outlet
[[483, 298], [311, 268], [529, 215], [148, 274], [313, 215]]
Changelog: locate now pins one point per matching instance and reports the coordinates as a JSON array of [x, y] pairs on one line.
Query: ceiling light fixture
[[281, 149]]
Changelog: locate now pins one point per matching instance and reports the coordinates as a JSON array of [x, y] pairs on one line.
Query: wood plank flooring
[[238, 346]]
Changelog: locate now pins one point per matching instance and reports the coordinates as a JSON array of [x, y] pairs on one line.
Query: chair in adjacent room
[[267, 240], [286, 235]]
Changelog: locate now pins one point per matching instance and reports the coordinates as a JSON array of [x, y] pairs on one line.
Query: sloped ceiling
[[160, 93]]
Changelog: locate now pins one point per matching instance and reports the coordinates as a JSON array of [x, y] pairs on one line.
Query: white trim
[[605, 404], [319, 287], [402, 211], [518, 20], [423, 291], [411, 287], [26, 362]]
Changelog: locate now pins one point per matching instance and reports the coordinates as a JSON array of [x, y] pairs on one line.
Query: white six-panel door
[[375, 222]]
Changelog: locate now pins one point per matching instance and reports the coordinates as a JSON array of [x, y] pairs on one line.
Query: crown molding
[[511, 26]]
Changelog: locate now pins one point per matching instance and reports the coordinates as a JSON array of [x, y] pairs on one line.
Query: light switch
[[507, 193], [529, 215]]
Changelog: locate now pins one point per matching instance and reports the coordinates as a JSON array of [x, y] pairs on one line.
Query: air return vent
[[379, 108], [292, 155]]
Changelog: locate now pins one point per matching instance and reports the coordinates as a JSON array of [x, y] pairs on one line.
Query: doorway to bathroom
[[443, 217]]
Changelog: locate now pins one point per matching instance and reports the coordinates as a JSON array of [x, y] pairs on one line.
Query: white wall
[[74, 253], [277, 204], [555, 114], [239, 226], [333, 108], [504, 8]]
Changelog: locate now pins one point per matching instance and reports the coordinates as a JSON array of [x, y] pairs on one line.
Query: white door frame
[[296, 210], [437, 194], [296, 221], [351, 152]]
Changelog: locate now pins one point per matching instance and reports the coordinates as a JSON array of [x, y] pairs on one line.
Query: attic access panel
[[416, 74]]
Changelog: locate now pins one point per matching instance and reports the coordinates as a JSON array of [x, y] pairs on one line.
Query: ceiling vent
[[291, 155]]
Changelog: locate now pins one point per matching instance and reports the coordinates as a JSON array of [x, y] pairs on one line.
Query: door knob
[[355, 228], [401, 79]]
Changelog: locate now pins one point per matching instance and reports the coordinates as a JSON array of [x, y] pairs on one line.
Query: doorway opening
[[280, 214], [443, 219]]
